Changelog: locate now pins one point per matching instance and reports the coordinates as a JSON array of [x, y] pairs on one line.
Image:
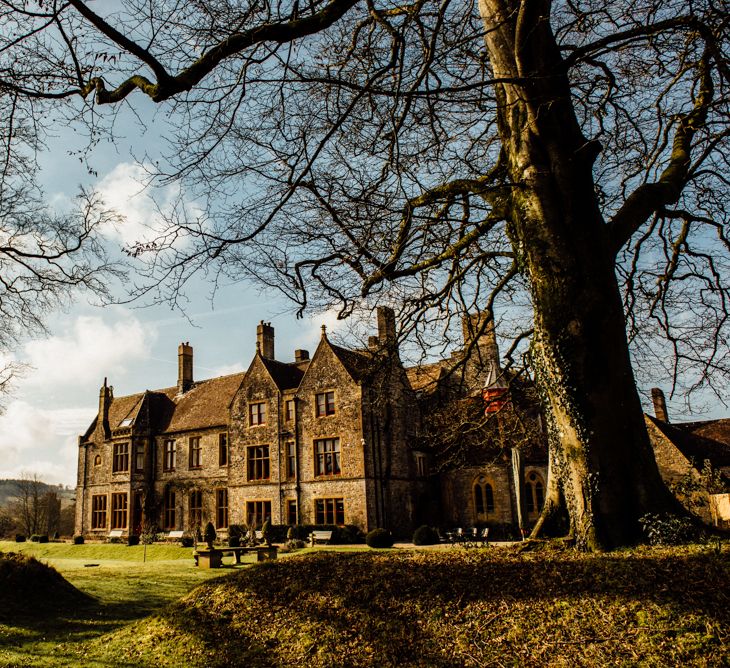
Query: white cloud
[[87, 350], [40, 440], [124, 190]]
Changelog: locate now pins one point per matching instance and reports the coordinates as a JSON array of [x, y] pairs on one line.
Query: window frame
[[195, 508], [169, 510], [482, 492], [258, 464], [120, 458], [329, 508], [321, 458], [326, 407], [221, 508], [289, 410], [292, 516], [257, 414], [263, 516], [119, 514], [139, 457], [223, 449], [169, 457], [534, 493], [98, 514], [290, 468], [195, 453]]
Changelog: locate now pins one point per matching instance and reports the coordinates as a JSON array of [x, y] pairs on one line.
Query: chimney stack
[[386, 326], [660, 404], [301, 355], [184, 367], [106, 394], [265, 339]]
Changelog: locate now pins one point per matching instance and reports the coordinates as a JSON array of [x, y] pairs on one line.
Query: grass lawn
[[453, 607], [123, 588]]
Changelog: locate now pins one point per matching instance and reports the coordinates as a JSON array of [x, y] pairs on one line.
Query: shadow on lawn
[[357, 600]]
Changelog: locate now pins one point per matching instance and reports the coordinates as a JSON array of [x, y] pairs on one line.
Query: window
[[221, 508], [222, 449], [119, 510], [327, 456], [534, 493], [169, 509], [98, 512], [329, 511], [325, 404], [258, 462], [196, 508], [421, 465], [291, 461], [483, 497], [125, 422], [256, 414], [196, 453], [97, 460], [258, 512], [291, 512], [139, 457], [120, 462], [168, 463], [289, 410]]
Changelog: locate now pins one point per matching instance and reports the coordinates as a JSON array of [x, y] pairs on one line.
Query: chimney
[[265, 339], [184, 367], [386, 326], [660, 404], [373, 342], [480, 327], [301, 355], [106, 394]]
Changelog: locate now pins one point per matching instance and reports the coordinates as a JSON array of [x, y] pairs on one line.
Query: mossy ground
[[455, 607]]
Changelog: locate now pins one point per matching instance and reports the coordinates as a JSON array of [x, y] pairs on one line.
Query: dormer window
[[257, 414], [126, 422], [325, 404]]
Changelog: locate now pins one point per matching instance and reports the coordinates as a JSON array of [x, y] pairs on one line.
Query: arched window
[[97, 460], [483, 497], [534, 493]]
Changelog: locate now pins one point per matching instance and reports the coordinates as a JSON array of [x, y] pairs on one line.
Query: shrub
[[39, 538], [266, 532], [379, 538], [132, 540], [56, 535], [209, 535], [19, 538], [425, 535], [236, 531], [186, 541], [234, 541], [78, 540], [667, 529]]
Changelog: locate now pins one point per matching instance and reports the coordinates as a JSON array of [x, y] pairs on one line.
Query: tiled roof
[[356, 362], [425, 378], [286, 376], [693, 440]]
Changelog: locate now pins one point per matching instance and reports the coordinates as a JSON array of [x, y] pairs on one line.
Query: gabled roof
[[285, 375], [690, 440], [426, 378], [357, 362]]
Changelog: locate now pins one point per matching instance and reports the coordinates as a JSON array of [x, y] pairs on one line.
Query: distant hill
[[9, 490]]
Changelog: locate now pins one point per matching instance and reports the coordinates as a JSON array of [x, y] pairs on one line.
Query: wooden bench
[[324, 536], [213, 558]]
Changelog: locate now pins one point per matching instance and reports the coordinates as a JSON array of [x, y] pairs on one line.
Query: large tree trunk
[[600, 450]]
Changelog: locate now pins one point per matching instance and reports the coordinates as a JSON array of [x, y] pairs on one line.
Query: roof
[[356, 362], [425, 378], [285, 375], [696, 442]]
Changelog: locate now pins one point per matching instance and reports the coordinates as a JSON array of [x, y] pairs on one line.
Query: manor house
[[344, 437]]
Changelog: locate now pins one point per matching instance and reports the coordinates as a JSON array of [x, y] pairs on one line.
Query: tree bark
[[600, 449]]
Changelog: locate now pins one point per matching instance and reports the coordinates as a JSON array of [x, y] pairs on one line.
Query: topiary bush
[[39, 538], [234, 541], [19, 538], [132, 540], [78, 540], [209, 535], [425, 535], [186, 541], [379, 538]]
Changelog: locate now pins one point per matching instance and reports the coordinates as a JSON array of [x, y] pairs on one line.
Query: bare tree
[[29, 507], [569, 156]]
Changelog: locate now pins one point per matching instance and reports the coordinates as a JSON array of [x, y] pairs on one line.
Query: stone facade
[[337, 438]]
